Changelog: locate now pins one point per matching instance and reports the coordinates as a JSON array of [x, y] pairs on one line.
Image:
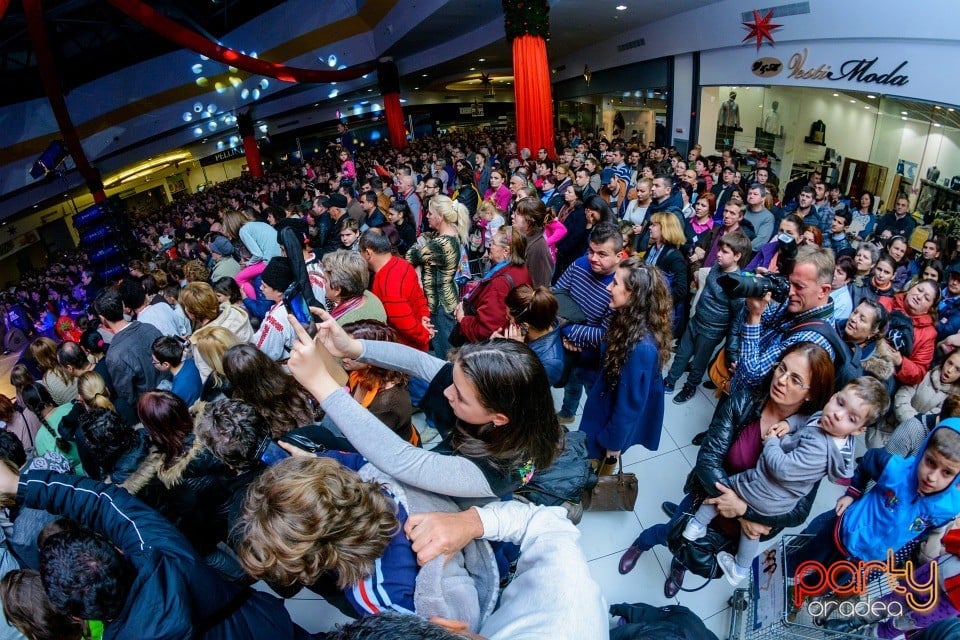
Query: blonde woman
[[437, 253], [211, 343], [665, 252], [92, 392]]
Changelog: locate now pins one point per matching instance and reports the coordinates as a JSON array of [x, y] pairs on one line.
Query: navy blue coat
[[175, 594], [616, 418]]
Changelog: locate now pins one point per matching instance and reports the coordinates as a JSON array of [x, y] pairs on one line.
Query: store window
[[634, 114], [863, 142]]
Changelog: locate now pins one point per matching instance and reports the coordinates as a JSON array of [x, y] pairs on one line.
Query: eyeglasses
[[793, 379]]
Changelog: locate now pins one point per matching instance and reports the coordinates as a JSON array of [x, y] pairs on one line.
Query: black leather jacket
[[732, 416]]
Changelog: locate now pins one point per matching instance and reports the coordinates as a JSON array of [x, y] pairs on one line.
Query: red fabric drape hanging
[[51, 85], [532, 93], [388, 77], [189, 39], [395, 125], [250, 148]]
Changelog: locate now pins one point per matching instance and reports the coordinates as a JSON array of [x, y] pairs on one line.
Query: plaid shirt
[[762, 345]]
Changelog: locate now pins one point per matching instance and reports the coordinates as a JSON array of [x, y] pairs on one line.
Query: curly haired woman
[[625, 404]]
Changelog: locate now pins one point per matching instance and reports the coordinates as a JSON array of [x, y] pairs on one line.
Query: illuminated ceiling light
[[197, 107], [853, 102], [903, 117], [264, 83], [253, 54], [255, 94], [203, 57], [871, 96], [197, 68], [219, 144], [332, 61], [244, 94], [202, 82], [341, 67], [235, 81], [263, 128], [369, 90], [376, 107], [481, 59], [187, 116], [364, 76], [423, 75], [333, 94], [473, 68], [836, 95], [212, 108], [233, 69], [403, 100], [949, 108], [621, 7], [219, 87], [198, 132], [903, 113], [936, 106], [212, 125], [416, 88], [936, 124], [234, 140], [867, 107]]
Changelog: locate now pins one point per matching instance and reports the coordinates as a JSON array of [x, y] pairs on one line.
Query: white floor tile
[[660, 478], [608, 532]]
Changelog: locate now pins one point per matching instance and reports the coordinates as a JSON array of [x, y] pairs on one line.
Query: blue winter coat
[[175, 594], [949, 316], [893, 512], [616, 418]]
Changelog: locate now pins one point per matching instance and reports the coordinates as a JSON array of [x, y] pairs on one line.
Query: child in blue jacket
[[911, 497]]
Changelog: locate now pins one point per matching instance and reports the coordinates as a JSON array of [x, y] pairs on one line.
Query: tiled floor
[[605, 536]]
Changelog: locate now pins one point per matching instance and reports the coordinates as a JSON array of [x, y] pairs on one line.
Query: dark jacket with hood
[[130, 363], [175, 595]]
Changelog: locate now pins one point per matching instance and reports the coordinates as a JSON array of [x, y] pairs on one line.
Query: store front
[[633, 99], [872, 116]]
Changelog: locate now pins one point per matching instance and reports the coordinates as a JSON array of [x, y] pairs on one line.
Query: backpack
[[566, 478], [846, 363]]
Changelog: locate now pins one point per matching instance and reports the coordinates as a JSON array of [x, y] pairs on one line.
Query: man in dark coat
[[144, 580]]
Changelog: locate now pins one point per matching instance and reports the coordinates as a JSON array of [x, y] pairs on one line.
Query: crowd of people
[[238, 405]]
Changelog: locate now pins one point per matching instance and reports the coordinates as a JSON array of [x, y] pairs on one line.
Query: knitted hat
[[221, 246], [278, 274]]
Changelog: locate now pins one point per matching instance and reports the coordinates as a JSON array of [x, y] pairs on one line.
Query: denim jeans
[[697, 347], [443, 322], [657, 534]]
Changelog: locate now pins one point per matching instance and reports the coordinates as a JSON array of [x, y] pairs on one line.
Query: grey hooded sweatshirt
[[790, 466]]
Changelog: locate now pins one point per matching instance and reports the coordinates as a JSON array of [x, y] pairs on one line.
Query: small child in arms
[[792, 463]]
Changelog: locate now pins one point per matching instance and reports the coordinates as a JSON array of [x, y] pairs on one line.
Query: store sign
[[223, 156], [862, 70], [767, 67]]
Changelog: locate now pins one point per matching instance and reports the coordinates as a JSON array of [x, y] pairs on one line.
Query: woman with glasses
[[484, 310], [799, 385]]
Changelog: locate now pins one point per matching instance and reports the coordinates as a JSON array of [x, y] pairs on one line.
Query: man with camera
[[776, 305]]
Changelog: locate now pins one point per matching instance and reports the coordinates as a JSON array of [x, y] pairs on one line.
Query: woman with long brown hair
[[61, 385], [625, 405], [258, 380]]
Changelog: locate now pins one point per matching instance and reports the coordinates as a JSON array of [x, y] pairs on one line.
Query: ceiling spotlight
[[481, 59], [936, 106], [416, 88], [332, 61], [212, 125], [949, 108], [212, 108], [853, 102], [255, 94], [264, 83], [936, 124], [197, 68], [621, 7], [423, 75], [334, 93], [903, 113], [867, 107], [197, 107], [836, 95], [871, 96], [187, 116], [263, 128], [903, 117], [244, 94], [198, 131], [473, 68]]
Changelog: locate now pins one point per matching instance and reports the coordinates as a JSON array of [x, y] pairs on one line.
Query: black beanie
[[278, 274]]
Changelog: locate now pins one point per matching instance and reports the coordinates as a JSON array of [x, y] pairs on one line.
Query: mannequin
[[729, 116], [771, 123]]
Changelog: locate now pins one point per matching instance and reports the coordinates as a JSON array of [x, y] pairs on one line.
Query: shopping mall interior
[[859, 90]]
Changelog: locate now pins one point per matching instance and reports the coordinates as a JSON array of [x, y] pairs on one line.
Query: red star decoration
[[761, 28]]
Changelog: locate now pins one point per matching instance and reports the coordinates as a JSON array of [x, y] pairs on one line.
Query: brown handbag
[[720, 374], [616, 492]]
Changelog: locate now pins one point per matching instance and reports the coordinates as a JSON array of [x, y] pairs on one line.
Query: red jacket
[[398, 288], [489, 300], [951, 544], [924, 342]]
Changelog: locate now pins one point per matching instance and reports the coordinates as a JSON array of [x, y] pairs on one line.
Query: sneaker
[[734, 573], [563, 418], [694, 530], [685, 394], [669, 387], [668, 508]]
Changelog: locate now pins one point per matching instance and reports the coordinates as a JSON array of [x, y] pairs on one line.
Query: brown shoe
[[672, 586], [629, 559]]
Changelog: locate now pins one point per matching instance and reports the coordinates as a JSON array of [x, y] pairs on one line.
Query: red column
[[250, 148], [527, 24], [51, 84], [389, 80]]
